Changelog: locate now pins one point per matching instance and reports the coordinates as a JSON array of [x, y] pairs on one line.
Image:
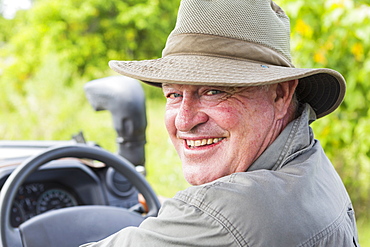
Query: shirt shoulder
[[287, 207]]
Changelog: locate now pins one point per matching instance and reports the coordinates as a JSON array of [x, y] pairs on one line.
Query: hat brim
[[322, 88]]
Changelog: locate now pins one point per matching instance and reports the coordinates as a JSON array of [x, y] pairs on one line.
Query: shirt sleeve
[[178, 224]]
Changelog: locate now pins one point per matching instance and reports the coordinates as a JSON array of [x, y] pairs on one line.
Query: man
[[238, 114]]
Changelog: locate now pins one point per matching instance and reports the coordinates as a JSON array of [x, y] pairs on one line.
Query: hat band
[[221, 46]]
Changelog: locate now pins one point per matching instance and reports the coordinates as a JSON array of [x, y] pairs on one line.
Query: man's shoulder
[[269, 203], [243, 198], [245, 188], [244, 203]]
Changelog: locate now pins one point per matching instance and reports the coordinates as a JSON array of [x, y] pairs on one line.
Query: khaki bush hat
[[235, 43]]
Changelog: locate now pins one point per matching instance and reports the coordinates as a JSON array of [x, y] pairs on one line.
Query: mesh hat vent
[[266, 23]]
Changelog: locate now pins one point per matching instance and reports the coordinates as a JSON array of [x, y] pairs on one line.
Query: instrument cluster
[[36, 198]]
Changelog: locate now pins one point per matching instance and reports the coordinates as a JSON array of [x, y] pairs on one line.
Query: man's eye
[[213, 92], [173, 95]]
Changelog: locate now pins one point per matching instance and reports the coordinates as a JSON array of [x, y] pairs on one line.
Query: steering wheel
[[75, 225]]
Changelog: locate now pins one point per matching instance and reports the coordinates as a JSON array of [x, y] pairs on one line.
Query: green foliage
[[85, 34], [336, 34], [47, 54], [363, 232]]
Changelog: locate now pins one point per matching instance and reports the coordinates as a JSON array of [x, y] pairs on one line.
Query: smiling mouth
[[203, 142]]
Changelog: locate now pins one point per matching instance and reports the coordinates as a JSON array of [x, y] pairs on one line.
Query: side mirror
[[124, 97]]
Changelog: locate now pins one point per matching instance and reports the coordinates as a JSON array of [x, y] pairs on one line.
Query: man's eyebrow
[[166, 85], [170, 85]]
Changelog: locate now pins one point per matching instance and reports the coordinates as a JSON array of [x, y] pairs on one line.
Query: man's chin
[[199, 178]]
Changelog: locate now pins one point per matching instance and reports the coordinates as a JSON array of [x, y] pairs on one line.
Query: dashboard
[[67, 183], [36, 198]]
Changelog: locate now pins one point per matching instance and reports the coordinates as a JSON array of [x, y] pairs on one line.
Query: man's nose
[[190, 115]]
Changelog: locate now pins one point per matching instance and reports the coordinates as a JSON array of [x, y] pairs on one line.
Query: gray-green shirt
[[290, 196]]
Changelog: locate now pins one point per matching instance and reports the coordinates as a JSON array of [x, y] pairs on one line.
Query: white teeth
[[190, 143], [202, 142]]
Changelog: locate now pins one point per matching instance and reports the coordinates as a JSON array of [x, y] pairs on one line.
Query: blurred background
[[50, 48]]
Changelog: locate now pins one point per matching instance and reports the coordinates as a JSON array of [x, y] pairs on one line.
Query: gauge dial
[[27, 198], [17, 215], [55, 199]]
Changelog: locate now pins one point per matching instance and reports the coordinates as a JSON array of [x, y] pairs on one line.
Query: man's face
[[218, 131]]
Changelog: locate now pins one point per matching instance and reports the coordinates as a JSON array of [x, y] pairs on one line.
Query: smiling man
[[238, 114], [218, 131]]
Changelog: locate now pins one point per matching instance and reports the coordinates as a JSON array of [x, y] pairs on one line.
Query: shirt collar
[[296, 136]]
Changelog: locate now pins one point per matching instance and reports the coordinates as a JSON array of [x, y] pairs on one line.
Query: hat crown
[[259, 22]]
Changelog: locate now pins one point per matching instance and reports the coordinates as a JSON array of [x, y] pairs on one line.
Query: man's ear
[[283, 97]]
